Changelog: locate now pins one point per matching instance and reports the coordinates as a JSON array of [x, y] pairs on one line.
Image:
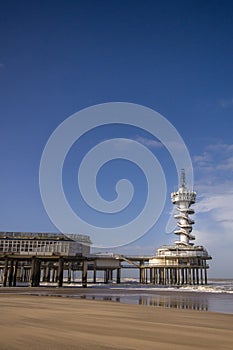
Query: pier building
[[37, 243], [35, 257]]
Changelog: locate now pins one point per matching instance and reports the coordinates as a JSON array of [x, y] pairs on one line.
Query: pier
[[36, 270], [35, 258]]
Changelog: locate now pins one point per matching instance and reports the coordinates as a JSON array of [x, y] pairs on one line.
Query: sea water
[[217, 296]]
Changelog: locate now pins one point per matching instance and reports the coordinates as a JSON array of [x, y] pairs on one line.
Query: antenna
[[182, 178]]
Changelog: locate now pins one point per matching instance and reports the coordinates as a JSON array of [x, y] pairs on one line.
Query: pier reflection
[[177, 302]]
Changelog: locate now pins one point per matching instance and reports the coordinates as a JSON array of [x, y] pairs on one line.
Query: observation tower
[[183, 199], [183, 262]]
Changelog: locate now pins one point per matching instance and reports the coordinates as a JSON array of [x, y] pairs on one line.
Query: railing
[[79, 238], [56, 236], [182, 254]]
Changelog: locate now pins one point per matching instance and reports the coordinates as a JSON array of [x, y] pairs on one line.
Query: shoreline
[[29, 322], [164, 299]]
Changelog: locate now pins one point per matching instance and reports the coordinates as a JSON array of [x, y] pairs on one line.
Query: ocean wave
[[215, 286]]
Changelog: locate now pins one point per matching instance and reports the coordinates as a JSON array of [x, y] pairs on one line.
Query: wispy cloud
[[220, 147], [149, 142], [226, 102], [214, 219], [215, 164], [2, 65], [214, 229], [121, 144]]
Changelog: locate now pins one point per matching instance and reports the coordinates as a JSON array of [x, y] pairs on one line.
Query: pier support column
[[201, 270], [173, 275], [43, 269], [94, 272], [194, 277], [182, 276], [54, 274], [205, 275], [106, 276], [47, 273], [69, 273], [197, 275], [142, 275], [84, 274], [11, 271], [178, 276], [186, 276], [37, 273], [160, 275], [189, 276], [119, 275], [145, 275], [33, 272], [19, 272], [5, 273], [26, 274], [167, 275], [15, 273], [152, 275], [60, 272]]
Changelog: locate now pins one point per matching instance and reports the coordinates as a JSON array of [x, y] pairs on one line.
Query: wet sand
[[55, 323]]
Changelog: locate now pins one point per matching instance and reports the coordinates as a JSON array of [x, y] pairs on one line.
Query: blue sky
[[58, 57]]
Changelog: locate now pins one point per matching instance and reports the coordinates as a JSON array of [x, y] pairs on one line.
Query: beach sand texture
[[55, 323]]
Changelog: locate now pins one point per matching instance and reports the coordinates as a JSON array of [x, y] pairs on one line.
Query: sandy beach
[[54, 323]]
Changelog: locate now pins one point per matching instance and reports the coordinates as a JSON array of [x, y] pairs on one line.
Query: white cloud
[[223, 147], [120, 144], [227, 165], [214, 229], [149, 142], [214, 208], [219, 209]]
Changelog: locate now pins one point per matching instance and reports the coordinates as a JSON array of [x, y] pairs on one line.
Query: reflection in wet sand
[[189, 303], [177, 303]]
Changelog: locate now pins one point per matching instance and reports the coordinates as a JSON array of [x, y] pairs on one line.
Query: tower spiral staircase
[[183, 199]]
